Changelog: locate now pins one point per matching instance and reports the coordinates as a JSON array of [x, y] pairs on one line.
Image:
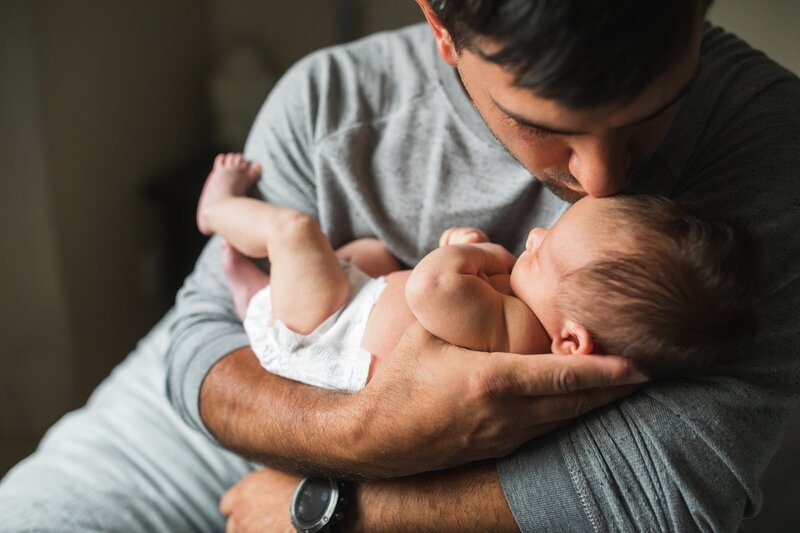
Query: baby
[[633, 276]]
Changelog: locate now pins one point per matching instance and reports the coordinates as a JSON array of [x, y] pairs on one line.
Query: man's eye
[[527, 129], [533, 130], [539, 132]]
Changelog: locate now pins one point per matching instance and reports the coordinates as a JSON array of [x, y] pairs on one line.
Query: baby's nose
[[534, 239]]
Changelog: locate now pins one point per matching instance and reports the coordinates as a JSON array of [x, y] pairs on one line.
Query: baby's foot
[[244, 278], [231, 176], [462, 236]]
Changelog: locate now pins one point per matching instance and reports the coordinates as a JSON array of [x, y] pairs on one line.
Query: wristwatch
[[318, 504]]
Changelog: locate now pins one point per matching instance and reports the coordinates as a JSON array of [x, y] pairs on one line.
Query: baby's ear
[[572, 339]]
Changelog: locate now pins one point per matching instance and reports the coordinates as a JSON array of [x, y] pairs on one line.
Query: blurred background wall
[[105, 121]]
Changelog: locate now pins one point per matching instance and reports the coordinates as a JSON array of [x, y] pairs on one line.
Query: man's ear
[[444, 43], [572, 339]]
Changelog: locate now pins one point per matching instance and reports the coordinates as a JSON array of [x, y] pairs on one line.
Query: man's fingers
[[226, 503], [574, 404], [547, 374], [530, 417]]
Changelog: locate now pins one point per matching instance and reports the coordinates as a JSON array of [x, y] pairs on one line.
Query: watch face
[[313, 500]]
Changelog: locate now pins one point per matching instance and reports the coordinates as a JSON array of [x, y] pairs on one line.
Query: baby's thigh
[[370, 255]]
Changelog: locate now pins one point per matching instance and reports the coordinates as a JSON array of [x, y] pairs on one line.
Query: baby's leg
[[231, 177], [308, 284], [369, 255], [244, 278]]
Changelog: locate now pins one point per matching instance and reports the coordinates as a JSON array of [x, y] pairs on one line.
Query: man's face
[[577, 152]]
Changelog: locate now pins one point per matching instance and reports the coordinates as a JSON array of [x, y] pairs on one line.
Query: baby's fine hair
[[673, 301]]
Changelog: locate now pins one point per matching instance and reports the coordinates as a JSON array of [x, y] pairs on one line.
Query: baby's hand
[[462, 236]]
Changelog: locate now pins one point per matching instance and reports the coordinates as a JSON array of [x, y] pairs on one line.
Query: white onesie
[[331, 356]]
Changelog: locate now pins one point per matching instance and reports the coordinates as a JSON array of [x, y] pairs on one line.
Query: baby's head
[[641, 277]]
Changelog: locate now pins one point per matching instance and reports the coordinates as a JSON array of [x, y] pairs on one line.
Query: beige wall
[[122, 93], [282, 31], [286, 31], [772, 26], [96, 97], [36, 364], [387, 14]]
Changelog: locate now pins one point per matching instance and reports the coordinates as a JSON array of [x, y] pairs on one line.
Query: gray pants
[[124, 462]]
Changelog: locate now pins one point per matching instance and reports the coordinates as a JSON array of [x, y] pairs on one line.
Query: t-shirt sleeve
[[206, 327], [687, 453], [646, 464]]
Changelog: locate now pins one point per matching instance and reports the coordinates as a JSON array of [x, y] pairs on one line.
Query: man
[[369, 138], [569, 100]]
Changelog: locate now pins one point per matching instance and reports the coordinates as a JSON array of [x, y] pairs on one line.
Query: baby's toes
[[253, 171], [228, 162]]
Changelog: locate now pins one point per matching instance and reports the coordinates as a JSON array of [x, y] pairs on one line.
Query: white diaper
[[331, 356]]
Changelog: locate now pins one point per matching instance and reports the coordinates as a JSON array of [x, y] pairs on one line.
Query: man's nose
[[600, 163]]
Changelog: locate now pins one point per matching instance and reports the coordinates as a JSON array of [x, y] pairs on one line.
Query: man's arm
[[459, 500], [430, 406]]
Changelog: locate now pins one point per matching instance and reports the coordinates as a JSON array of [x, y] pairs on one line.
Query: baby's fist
[[462, 236]]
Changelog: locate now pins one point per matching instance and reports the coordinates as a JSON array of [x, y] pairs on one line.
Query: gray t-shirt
[[377, 138]]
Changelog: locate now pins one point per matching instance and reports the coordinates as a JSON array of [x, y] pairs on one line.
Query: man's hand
[[260, 502], [433, 405]]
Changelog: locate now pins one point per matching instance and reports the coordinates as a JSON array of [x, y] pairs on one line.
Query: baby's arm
[[450, 294], [462, 235], [467, 235]]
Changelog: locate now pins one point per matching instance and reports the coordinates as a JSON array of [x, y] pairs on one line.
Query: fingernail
[[637, 376]]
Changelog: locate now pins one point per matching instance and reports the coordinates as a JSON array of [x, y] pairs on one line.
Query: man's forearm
[[431, 406], [278, 422], [465, 499]]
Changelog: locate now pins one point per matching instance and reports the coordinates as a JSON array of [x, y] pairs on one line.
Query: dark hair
[[674, 302], [579, 52]]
